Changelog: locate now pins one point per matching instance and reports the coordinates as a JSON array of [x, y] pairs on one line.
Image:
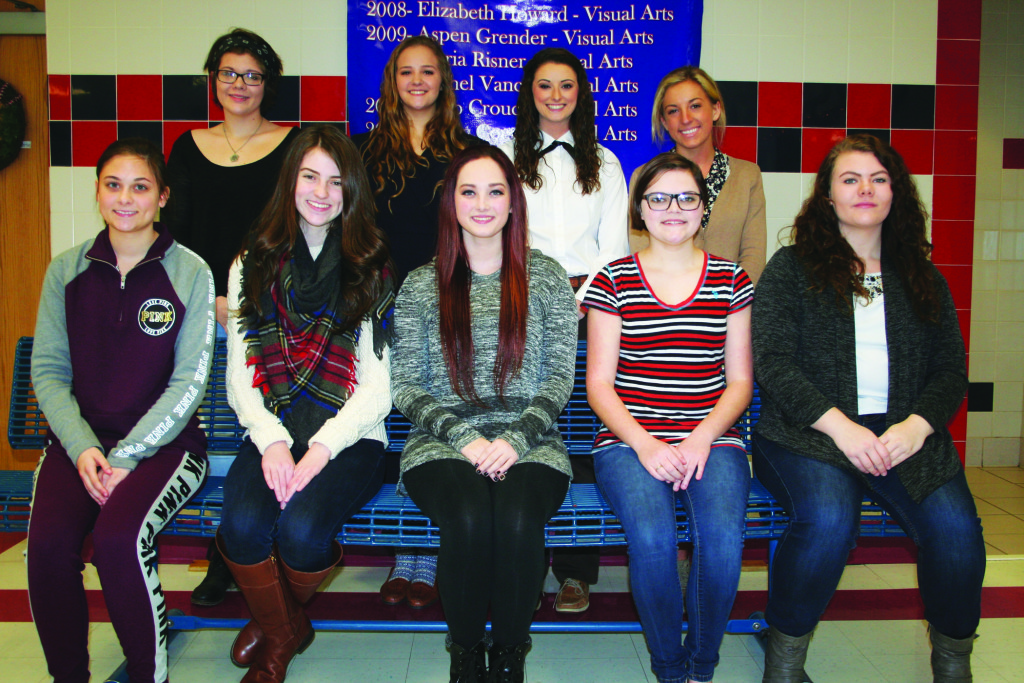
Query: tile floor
[[894, 651]]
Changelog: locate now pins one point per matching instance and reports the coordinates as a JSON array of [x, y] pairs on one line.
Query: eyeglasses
[[661, 201], [229, 76]]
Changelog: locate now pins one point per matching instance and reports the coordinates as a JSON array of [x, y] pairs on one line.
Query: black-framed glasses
[[249, 78], [661, 201]]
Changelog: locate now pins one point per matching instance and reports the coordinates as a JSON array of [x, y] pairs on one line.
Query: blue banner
[[625, 47]]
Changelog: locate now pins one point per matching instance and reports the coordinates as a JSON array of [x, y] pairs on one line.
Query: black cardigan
[[805, 363]]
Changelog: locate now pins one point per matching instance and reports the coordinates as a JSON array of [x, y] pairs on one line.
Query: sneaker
[[573, 596]]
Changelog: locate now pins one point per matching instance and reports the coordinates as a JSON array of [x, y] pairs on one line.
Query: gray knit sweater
[[805, 363], [443, 423]]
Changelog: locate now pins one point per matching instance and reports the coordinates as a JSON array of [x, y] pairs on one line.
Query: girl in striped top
[[669, 372]]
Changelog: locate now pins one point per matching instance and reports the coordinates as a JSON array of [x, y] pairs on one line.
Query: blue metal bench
[[584, 519]]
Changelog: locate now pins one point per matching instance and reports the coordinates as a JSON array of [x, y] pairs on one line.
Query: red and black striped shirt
[[671, 368]]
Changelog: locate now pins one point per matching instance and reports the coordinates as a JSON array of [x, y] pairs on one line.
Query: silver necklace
[[234, 157]]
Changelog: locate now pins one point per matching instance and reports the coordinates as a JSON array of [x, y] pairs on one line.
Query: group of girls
[[852, 336]]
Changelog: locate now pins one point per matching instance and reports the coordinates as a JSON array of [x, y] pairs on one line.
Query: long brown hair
[[362, 244], [454, 278], [388, 148], [581, 124], [830, 260]]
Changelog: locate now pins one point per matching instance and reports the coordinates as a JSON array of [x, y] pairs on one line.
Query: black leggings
[[492, 543]]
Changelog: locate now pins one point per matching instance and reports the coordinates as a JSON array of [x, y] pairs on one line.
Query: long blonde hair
[[389, 148]]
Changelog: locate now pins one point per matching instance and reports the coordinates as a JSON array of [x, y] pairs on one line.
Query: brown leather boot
[[303, 586], [278, 614]]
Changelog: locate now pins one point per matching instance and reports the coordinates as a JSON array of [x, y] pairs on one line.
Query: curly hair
[[829, 259], [243, 42], [389, 148], [581, 124], [649, 174], [363, 245], [707, 84], [454, 279]]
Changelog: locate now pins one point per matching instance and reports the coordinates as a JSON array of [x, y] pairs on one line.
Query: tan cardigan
[[737, 229]]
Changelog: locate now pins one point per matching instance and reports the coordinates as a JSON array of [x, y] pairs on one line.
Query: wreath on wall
[[12, 123]]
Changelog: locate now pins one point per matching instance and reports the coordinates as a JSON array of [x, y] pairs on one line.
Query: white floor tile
[[573, 646], [886, 637], [576, 670], [344, 670], [337, 645]]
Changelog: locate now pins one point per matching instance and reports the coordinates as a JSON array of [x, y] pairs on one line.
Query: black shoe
[[217, 582], [508, 664], [468, 666]]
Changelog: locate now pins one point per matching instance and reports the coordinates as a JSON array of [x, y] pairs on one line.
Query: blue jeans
[[304, 531], [716, 508], [824, 502]]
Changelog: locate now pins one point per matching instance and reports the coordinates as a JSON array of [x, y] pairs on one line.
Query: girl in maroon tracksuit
[[122, 348]]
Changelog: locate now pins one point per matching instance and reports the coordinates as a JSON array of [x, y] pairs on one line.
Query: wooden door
[[24, 220]]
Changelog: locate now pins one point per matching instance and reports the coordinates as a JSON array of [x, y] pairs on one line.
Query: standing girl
[[222, 177], [576, 194], [308, 376], [689, 107], [406, 156], [673, 311], [122, 348], [484, 363]]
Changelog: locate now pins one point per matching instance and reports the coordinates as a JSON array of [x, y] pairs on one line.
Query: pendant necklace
[[234, 157]]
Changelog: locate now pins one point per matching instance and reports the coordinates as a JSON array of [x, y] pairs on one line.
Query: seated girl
[[858, 353], [122, 349], [310, 302], [484, 361], [669, 373]]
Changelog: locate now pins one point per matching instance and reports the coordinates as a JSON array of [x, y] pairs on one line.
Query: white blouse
[[582, 232], [872, 349]]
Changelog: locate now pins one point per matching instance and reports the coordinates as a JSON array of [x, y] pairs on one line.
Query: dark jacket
[[805, 363]]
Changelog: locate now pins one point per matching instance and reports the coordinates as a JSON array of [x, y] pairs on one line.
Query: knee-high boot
[[302, 585], [279, 615]]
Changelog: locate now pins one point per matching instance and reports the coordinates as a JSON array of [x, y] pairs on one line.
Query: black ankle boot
[[217, 582], [508, 664], [468, 666]]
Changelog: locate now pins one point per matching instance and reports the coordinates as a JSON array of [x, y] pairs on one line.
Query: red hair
[[454, 278]]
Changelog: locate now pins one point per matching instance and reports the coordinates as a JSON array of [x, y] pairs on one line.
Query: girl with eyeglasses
[[669, 373], [222, 177]]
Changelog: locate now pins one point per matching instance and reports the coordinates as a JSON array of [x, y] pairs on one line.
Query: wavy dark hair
[[388, 148], [363, 245], [649, 174], [581, 124], [137, 147], [829, 259], [454, 278], [244, 42]]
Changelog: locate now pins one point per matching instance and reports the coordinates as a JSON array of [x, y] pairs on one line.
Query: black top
[[211, 207], [410, 219], [805, 361]]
